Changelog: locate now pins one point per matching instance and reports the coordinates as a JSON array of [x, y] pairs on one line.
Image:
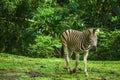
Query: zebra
[[79, 42]]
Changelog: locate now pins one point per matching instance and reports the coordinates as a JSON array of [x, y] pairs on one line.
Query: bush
[[114, 46], [43, 46], [108, 46]]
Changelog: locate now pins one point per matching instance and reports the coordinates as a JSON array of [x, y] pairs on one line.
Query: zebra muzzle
[[94, 48]]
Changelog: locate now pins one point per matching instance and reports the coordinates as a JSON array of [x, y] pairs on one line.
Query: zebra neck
[[86, 41], [86, 45]]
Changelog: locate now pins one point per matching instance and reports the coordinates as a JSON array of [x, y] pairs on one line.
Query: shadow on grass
[[4, 75]]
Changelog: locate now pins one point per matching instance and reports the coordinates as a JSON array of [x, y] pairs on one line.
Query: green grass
[[13, 67]]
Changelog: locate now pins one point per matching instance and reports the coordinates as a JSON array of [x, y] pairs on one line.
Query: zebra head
[[93, 38]]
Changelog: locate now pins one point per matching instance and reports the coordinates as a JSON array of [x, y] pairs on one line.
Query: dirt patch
[[4, 75], [35, 74], [9, 77], [9, 71], [39, 74], [98, 78]]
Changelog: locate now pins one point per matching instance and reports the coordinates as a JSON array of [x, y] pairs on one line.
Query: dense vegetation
[[33, 27]]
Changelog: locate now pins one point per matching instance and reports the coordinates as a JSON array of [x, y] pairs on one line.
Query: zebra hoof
[[71, 72], [86, 75], [68, 69], [74, 71]]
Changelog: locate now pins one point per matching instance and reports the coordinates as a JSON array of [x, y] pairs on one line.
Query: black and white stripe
[[76, 40], [73, 40]]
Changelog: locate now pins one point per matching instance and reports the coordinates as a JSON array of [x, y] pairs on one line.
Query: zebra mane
[[87, 32], [93, 30]]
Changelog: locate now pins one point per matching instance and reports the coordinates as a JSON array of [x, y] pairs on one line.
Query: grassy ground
[[13, 67]]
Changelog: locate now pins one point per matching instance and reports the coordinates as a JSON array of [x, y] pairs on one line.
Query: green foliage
[[43, 46], [115, 47], [108, 48], [22, 19]]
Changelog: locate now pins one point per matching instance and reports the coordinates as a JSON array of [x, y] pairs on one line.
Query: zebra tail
[[62, 52]]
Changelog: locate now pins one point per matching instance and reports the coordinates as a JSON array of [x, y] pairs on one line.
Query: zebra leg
[[85, 63], [77, 62], [67, 58], [70, 53]]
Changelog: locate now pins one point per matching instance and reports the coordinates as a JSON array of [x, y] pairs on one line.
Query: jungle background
[[32, 27]]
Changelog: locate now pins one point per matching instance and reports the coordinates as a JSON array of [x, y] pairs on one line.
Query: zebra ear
[[97, 31], [91, 31]]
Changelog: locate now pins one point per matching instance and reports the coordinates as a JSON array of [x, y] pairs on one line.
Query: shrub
[[43, 46], [108, 46], [114, 45]]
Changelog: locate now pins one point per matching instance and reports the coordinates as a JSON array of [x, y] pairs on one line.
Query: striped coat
[[77, 41]]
